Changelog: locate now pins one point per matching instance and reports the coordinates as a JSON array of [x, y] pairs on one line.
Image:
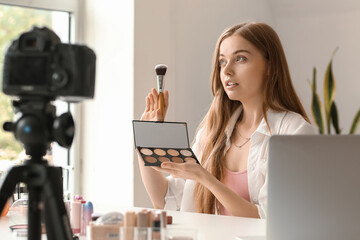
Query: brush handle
[[162, 105]]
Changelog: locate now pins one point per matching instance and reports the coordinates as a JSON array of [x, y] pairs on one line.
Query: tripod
[[45, 193], [36, 128]]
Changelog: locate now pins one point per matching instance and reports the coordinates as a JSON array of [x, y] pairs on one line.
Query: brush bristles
[[160, 69]]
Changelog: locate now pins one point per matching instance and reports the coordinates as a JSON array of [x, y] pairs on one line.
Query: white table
[[210, 227], [216, 227]]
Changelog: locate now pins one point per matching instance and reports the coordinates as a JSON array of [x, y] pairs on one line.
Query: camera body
[[37, 65]]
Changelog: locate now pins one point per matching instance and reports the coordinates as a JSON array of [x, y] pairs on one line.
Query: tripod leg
[[8, 183], [35, 177], [56, 219], [34, 213]]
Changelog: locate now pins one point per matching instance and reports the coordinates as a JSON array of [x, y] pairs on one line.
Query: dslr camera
[[38, 69], [37, 65]]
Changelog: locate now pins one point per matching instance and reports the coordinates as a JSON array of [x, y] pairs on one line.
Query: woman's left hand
[[191, 171]]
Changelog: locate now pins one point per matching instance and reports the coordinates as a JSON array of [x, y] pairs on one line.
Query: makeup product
[[142, 219], [75, 217], [25, 227], [163, 219], [156, 228], [129, 224], [169, 219], [79, 198], [87, 210], [142, 225], [103, 232], [151, 217], [160, 70], [110, 218], [159, 142], [18, 226]]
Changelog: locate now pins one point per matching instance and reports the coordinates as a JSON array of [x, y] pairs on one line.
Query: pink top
[[237, 182]]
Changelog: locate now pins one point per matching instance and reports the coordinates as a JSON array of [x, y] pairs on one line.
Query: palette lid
[[160, 134]]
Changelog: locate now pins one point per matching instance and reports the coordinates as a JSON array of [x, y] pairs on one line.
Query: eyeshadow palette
[[156, 156], [159, 142]]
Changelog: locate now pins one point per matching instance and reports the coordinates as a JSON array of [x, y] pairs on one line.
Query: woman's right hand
[[152, 110]]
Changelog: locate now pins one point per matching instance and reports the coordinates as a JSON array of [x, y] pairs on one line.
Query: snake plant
[[331, 112]]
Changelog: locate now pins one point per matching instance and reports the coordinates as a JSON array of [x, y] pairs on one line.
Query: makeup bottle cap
[[142, 219], [79, 198], [169, 219], [130, 219], [89, 206], [163, 219], [151, 218]]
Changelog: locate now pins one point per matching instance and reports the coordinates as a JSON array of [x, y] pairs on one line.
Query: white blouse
[[180, 191]]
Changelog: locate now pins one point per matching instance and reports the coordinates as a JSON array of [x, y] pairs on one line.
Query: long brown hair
[[279, 95]]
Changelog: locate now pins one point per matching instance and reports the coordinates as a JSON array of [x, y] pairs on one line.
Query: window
[[13, 21]]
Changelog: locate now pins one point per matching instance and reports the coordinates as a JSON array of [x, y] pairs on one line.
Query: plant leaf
[[335, 118], [329, 91], [316, 110], [355, 123], [314, 80]]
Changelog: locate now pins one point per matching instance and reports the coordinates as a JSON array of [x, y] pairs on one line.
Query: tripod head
[[36, 126]]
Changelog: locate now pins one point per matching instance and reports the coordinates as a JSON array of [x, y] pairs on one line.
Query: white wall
[[310, 31], [107, 167]]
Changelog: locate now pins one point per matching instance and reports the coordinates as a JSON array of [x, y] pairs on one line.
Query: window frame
[[73, 7]]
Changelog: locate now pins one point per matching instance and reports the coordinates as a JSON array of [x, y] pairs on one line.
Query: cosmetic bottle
[[129, 224], [87, 211], [156, 228], [163, 219], [75, 217], [142, 225]]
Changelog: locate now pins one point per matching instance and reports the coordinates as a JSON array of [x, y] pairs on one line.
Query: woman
[[253, 99]]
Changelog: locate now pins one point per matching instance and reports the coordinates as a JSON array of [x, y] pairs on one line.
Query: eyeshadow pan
[[146, 151], [156, 156], [186, 153], [160, 152], [190, 159], [163, 159], [173, 152], [177, 160], [150, 159]]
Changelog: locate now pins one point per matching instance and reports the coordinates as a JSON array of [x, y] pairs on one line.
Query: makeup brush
[[160, 70]]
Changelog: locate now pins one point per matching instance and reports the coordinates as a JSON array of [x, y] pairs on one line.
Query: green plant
[[331, 112]]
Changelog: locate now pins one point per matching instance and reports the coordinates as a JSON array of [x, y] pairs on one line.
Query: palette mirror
[[160, 134]]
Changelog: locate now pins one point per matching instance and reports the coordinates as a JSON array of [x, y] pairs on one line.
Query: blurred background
[[130, 37]]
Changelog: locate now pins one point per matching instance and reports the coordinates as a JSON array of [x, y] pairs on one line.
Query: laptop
[[313, 188]]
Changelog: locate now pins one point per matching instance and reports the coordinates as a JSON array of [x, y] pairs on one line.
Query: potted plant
[[331, 112]]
